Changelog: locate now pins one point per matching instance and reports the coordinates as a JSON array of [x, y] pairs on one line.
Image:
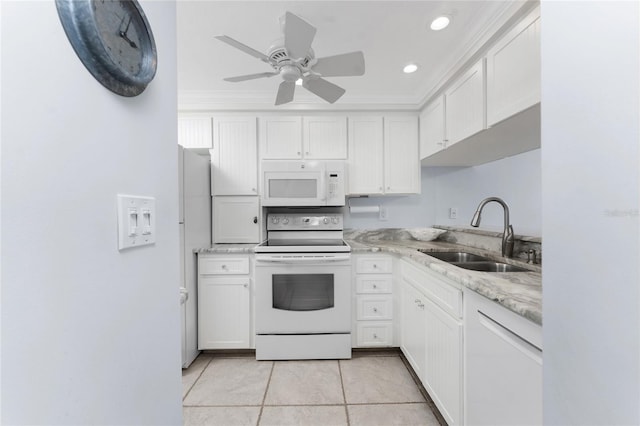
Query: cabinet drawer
[[374, 265], [374, 284], [439, 291], [374, 307], [223, 265], [372, 334]]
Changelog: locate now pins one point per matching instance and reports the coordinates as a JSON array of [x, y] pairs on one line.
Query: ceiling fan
[[293, 58]]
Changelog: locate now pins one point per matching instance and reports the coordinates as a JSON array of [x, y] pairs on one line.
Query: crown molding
[[213, 100]]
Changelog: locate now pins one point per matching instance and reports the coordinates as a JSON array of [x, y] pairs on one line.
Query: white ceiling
[[390, 33]]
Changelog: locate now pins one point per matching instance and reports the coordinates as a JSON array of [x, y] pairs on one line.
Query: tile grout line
[[264, 398], [196, 380], [344, 394]]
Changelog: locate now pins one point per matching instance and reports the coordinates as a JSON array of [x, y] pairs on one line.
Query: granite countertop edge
[[519, 292]]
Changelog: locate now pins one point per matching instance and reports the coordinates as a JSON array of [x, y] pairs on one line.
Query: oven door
[[298, 294]]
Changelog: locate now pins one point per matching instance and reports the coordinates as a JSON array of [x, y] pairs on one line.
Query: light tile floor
[[369, 389]]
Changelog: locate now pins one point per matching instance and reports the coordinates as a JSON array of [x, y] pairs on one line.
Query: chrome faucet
[[507, 235]]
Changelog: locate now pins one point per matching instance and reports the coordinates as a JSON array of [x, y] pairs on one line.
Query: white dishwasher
[[503, 365]]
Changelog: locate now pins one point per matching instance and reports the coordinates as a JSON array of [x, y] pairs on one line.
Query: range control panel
[[302, 221]]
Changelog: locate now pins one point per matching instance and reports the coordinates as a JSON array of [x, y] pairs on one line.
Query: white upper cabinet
[[465, 105], [194, 131], [402, 159], [325, 137], [432, 137], [383, 155], [366, 175], [280, 138], [234, 156], [310, 137], [513, 70]]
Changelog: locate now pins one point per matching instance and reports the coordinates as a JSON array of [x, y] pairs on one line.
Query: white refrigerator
[[195, 232]]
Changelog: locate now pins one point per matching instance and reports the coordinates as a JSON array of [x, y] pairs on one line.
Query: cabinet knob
[[375, 266], [388, 187], [224, 266], [306, 153], [253, 189], [375, 336], [245, 285], [380, 188], [299, 153], [375, 309], [375, 286], [255, 219]]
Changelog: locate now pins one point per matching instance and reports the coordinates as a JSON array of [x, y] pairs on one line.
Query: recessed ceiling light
[[408, 69], [299, 82], [440, 23]]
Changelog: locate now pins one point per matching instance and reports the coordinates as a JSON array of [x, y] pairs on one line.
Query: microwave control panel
[[335, 185]]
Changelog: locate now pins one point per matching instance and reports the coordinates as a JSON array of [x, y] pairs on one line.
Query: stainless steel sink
[[454, 256], [488, 266], [472, 261]]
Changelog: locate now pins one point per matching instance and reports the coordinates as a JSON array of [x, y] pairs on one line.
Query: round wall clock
[[113, 40]]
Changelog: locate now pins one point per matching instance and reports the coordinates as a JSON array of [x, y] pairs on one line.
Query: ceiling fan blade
[[298, 35], [243, 47], [250, 76], [285, 92], [321, 87], [345, 65]]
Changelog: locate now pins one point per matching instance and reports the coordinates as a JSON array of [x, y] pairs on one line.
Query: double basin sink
[[473, 261]]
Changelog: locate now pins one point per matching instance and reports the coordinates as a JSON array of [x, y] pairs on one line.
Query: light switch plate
[[136, 221]]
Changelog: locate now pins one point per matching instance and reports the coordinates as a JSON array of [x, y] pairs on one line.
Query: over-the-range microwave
[[293, 183]]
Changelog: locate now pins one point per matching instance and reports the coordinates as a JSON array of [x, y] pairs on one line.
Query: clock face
[[114, 41], [119, 28]]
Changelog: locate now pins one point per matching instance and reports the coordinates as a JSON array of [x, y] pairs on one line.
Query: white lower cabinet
[[431, 336], [373, 301], [235, 219], [224, 302], [503, 358]]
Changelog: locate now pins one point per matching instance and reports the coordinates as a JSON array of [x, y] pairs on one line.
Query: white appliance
[[293, 183], [195, 232], [303, 288]]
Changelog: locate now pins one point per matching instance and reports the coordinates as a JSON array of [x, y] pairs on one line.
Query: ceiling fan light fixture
[[410, 68], [440, 23]]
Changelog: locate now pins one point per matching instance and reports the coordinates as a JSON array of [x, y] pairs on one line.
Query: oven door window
[[303, 292]]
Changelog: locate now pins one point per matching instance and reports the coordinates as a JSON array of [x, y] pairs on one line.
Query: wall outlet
[[453, 213], [384, 213]]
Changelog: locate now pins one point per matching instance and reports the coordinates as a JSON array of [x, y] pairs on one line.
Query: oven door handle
[[307, 259]]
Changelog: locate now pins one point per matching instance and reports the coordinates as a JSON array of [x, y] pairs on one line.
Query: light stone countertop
[[520, 292]]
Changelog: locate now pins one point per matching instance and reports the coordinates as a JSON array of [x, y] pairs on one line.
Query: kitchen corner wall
[[90, 335], [516, 179]]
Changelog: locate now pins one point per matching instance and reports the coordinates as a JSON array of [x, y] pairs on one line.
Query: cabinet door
[[235, 219], [280, 137], [365, 155], [195, 131], [224, 316], [503, 365], [432, 128], [234, 157], [465, 105], [412, 327], [443, 366], [402, 159], [325, 138], [513, 70]]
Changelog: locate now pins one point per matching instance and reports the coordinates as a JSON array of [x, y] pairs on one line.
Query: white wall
[[590, 163], [90, 335], [516, 180], [403, 211]]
